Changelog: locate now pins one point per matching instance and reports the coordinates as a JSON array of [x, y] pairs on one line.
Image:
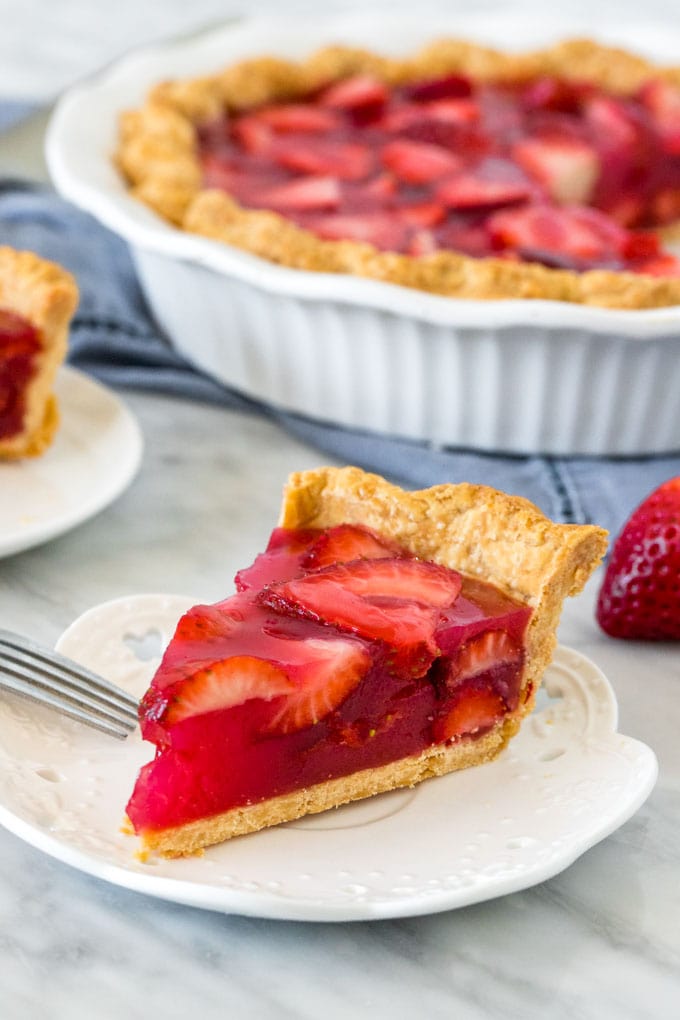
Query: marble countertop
[[600, 940]]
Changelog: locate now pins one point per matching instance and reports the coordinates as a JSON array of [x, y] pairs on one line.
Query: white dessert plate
[[94, 457], [567, 781]]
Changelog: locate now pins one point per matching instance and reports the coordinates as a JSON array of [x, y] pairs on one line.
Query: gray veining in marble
[[600, 941]]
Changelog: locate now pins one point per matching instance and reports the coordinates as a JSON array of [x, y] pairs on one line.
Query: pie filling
[[340, 652], [19, 345], [549, 171]]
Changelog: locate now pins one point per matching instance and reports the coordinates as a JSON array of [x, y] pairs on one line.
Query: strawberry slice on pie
[[541, 150], [477, 168], [382, 638]]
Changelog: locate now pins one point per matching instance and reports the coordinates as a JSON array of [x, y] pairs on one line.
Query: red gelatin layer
[[19, 345], [340, 652]]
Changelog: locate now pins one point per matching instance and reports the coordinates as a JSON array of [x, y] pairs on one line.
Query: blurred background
[[70, 38]]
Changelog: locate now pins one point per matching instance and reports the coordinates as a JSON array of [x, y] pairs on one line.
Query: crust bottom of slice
[[434, 761], [36, 442]]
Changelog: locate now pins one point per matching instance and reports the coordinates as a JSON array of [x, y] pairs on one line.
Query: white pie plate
[[94, 457], [567, 781], [515, 376]]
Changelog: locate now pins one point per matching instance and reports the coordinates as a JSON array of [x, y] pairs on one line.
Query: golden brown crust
[[157, 155], [479, 531], [46, 296]]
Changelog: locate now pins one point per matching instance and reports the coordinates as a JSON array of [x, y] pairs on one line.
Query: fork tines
[[51, 679]]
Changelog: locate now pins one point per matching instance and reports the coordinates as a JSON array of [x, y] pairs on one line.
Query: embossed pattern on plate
[[566, 781]]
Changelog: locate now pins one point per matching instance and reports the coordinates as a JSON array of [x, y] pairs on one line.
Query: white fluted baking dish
[[515, 376]]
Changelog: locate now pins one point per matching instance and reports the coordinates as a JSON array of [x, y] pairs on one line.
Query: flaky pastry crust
[[481, 532], [46, 295], [157, 155]]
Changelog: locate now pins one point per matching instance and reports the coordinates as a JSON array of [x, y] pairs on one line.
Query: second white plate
[[566, 781], [94, 457]]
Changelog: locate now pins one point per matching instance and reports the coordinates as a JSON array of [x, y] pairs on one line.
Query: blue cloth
[[13, 112], [115, 338]]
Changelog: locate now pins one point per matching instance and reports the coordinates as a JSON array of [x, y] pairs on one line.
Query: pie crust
[[46, 296], [476, 530], [156, 154]]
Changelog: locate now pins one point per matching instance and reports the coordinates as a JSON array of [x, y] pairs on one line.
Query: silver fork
[[42, 675]]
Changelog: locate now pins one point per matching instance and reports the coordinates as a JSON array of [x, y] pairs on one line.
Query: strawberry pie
[[461, 171], [37, 300], [382, 638]]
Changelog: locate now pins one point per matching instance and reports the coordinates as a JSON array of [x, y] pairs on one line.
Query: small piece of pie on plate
[[461, 171], [37, 300], [384, 637]]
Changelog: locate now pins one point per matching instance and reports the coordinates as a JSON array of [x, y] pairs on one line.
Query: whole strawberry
[[640, 595]]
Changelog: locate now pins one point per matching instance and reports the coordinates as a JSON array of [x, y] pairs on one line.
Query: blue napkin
[[115, 338]]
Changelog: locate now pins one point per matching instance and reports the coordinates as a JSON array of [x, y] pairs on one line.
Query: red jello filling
[[19, 344], [340, 652], [546, 171]]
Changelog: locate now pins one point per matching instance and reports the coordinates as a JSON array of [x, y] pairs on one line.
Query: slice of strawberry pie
[[37, 299], [382, 638]]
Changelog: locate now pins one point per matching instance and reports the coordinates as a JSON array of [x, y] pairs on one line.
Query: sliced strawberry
[[380, 187], [223, 685], [627, 210], [347, 542], [417, 162], [493, 182], [367, 196], [464, 235], [663, 102], [423, 242], [363, 96], [420, 214], [401, 624], [666, 205], [467, 140], [205, 624], [502, 118], [450, 86], [394, 600], [253, 134], [491, 649], [378, 229], [452, 111], [399, 578], [571, 232], [332, 671], [618, 133], [291, 118], [220, 173], [349, 161], [453, 114], [548, 93], [281, 560], [661, 265], [475, 710], [567, 167], [640, 594], [641, 245], [305, 194]]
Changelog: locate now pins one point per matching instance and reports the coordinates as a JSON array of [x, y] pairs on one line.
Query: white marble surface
[[601, 940]]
